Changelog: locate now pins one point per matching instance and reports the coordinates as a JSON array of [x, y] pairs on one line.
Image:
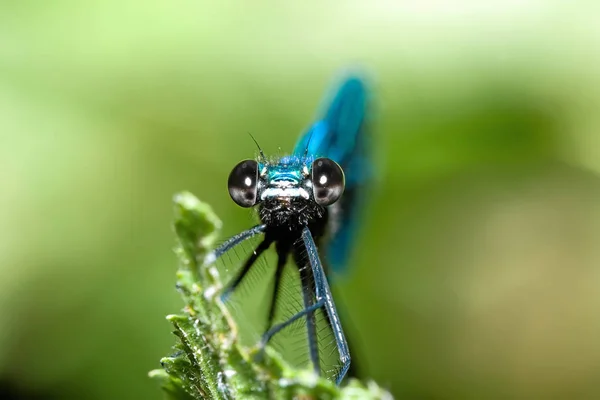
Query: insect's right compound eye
[[328, 181], [242, 183]]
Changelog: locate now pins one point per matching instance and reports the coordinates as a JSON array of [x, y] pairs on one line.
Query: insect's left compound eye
[[242, 183], [327, 180]]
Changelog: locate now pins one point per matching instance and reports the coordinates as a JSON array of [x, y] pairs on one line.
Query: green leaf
[[172, 386], [208, 362]]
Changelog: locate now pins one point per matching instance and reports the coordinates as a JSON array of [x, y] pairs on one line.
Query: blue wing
[[341, 134]]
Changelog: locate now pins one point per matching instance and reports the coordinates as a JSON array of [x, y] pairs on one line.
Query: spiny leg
[[353, 371], [323, 294], [311, 325], [234, 283], [277, 328], [323, 299], [281, 260], [232, 242], [273, 330]]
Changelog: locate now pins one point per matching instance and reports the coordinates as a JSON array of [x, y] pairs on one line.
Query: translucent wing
[[341, 134], [250, 304]]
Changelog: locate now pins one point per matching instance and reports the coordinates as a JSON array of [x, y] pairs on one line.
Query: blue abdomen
[[341, 134]]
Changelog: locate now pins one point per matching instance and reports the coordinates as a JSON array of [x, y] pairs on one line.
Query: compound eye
[[242, 183], [328, 181]]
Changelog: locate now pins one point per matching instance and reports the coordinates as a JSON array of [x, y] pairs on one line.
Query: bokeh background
[[477, 272]]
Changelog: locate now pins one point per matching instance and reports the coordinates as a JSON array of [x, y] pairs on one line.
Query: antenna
[[262, 155], [308, 142]]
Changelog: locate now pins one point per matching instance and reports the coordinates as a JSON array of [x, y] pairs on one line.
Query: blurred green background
[[477, 271]]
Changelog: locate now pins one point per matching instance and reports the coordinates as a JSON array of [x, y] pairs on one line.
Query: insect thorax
[[291, 213]]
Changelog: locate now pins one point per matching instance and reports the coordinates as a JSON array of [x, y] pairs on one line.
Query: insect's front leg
[[324, 297], [231, 243]]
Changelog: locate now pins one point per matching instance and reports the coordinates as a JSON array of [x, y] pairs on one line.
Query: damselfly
[[308, 204]]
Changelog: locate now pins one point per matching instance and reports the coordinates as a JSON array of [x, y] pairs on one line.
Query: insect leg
[[281, 260], [277, 328], [233, 284], [232, 242], [353, 370], [323, 294], [311, 325], [323, 299]]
